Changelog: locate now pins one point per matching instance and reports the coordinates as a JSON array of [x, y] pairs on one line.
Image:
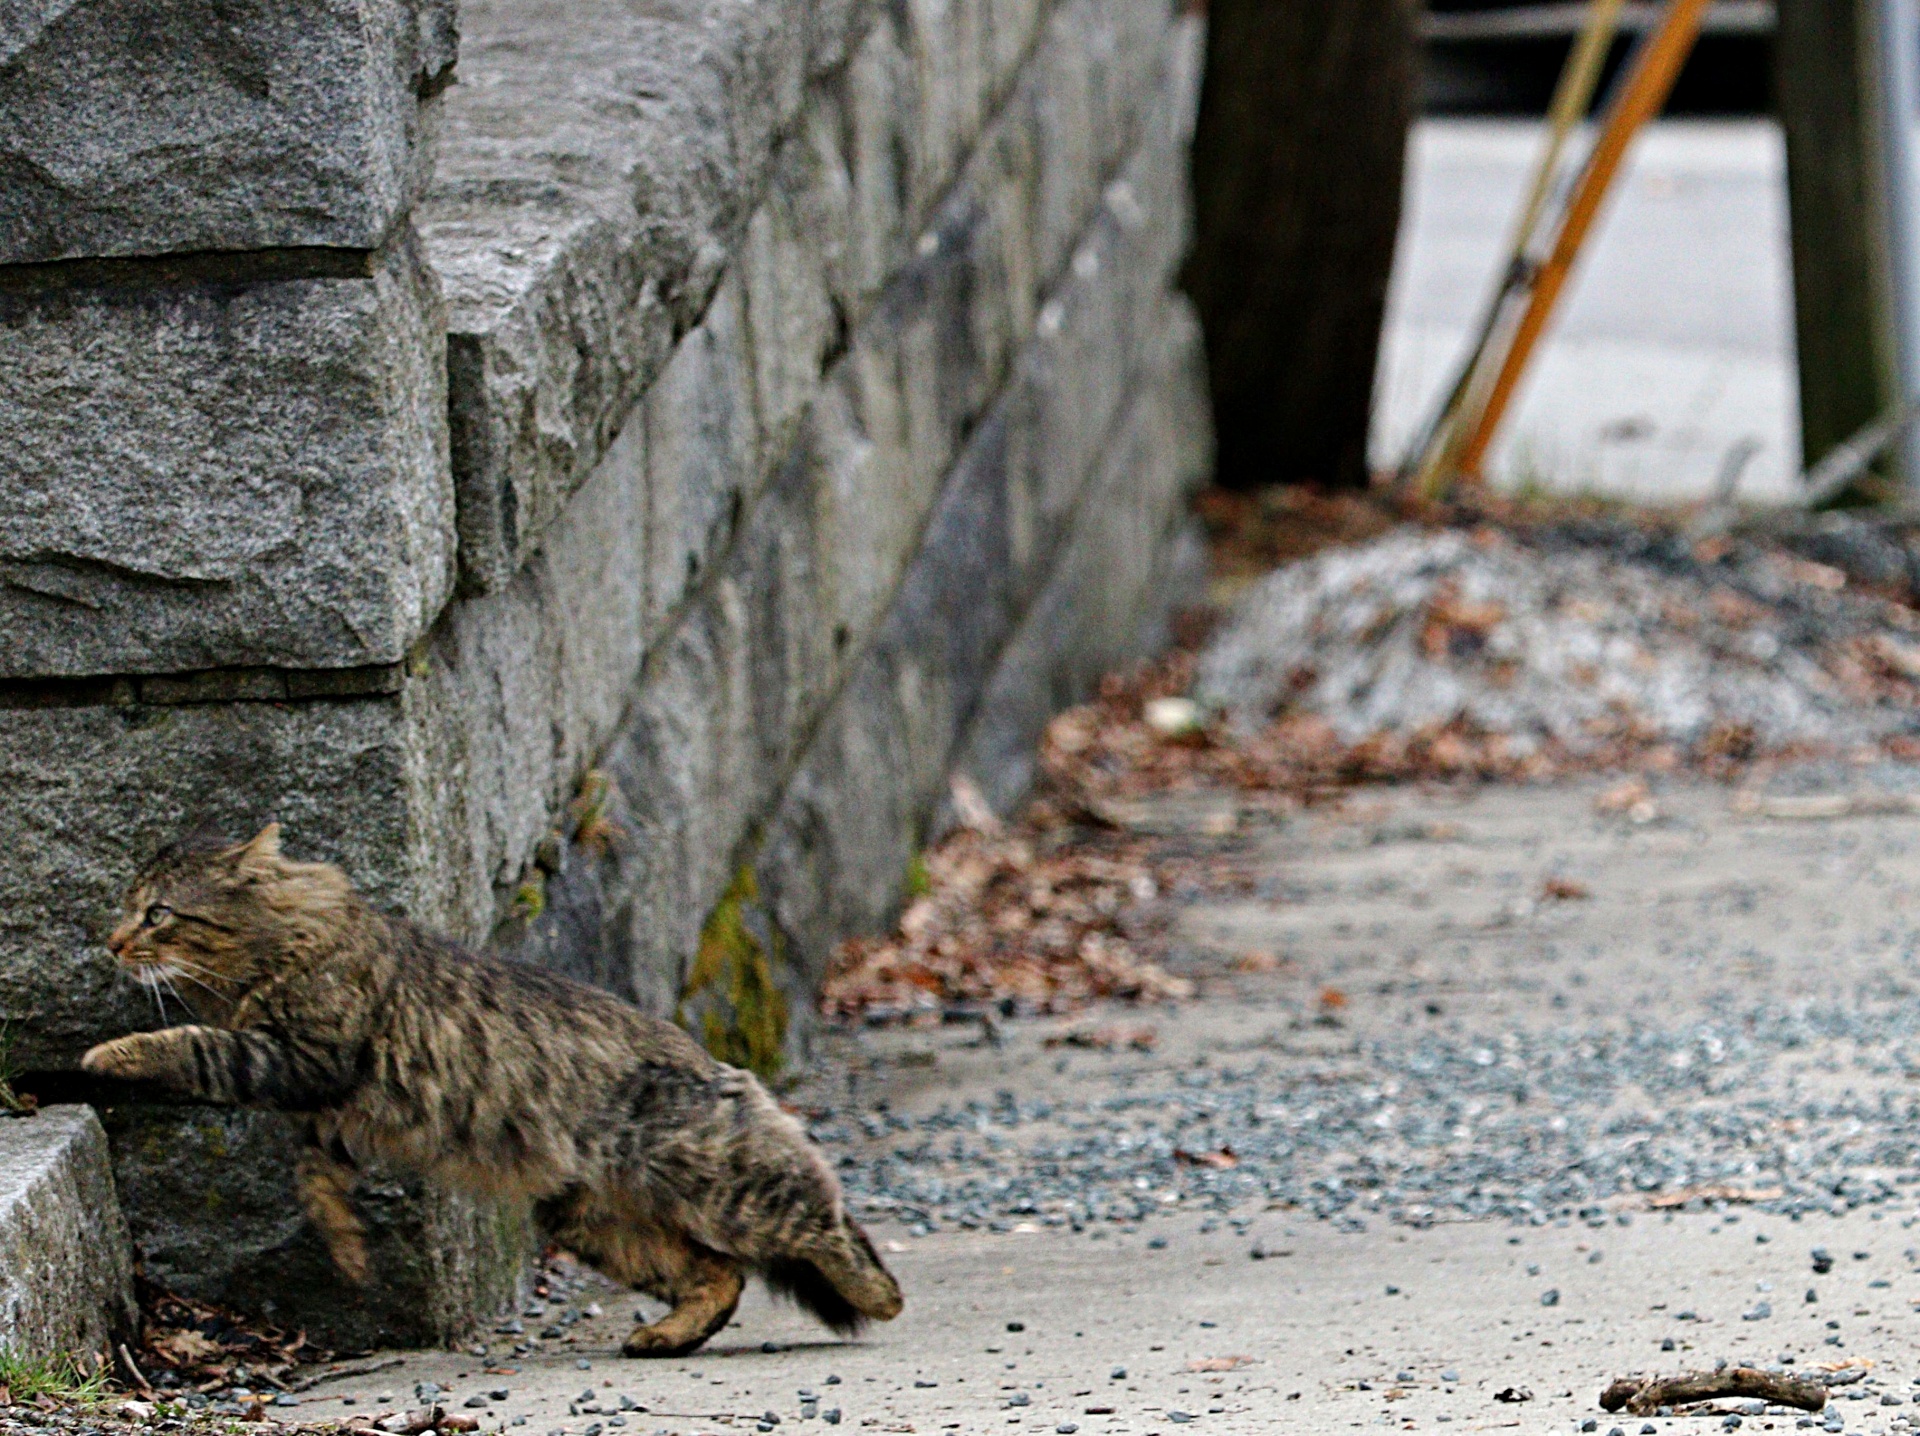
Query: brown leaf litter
[[207, 1347], [1719, 655]]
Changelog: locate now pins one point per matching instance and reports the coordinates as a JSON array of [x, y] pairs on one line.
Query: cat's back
[[499, 1008]]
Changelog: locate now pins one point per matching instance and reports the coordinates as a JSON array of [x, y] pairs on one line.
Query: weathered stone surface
[[598, 173], [218, 474], [733, 697], [439, 797], [1134, 557], [66, 1269], [977, 654], [596, 159], [143, 127], [89, 793], [210, 1198]]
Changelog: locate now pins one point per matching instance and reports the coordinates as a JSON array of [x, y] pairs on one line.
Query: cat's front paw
[[121, 1057]]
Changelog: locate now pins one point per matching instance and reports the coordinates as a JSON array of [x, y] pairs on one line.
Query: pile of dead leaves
[[1008, 920], [204, 1346], [1110, 750], [1059, 907]]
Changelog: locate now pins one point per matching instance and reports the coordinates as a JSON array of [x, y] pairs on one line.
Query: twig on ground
[[138, 1377], [365, 1368], [1663, 1201], [1644, 1396]]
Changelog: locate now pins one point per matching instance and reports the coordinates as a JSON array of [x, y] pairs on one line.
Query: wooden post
[[1828, 88], [1297, 166]]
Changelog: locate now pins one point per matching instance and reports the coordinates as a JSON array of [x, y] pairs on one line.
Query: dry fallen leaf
[[1564, 890], [185, 1348], [1622, 799], [1106, 1039]]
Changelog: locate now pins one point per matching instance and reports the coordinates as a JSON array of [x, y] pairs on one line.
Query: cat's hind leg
[[700, 1285]]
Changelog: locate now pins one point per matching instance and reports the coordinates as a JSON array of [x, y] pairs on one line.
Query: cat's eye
[[158, 914]]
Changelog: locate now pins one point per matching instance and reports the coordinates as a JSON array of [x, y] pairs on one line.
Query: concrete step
[[66, 1263]]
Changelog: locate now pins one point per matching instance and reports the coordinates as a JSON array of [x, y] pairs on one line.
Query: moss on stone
[[530, 898], [732, 999]]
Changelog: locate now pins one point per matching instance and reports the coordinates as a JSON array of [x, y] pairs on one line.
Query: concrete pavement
[[1732, 1000]]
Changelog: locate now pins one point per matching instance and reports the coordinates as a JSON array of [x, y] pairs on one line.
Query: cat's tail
[[841, 1280]]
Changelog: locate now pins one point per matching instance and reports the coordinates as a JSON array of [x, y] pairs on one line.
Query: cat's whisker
[[181, 966], [168, 980], [210, 991], [146, 981]]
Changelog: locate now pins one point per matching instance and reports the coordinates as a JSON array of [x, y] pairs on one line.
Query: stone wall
[[598, 500]]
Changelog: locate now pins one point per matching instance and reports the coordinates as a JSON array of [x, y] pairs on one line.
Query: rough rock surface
[[66, 1270], [211, 1203], [566, 301], [150, 127], [216, 474], [92, 792], [768, 285]]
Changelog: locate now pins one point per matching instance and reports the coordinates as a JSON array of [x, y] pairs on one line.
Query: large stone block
[[213, 1212], [213, 474], [88, 793], [597, 161], [66, 1269], [749, 684], [1131, 559], [599, 169], [148, 127]]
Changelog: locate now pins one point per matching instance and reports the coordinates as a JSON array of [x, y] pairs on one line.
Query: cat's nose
[[117, 945]]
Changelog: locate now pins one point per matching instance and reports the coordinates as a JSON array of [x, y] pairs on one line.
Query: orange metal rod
[[1645, 93]]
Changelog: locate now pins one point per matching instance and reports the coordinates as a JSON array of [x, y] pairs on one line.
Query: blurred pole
[[1830, 109], [1297, 165], [1898, 74]]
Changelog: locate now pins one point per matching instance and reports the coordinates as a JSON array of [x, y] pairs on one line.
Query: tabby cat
[[668, 1170]]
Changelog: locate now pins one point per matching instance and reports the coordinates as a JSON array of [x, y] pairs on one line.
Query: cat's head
[[213, 919]]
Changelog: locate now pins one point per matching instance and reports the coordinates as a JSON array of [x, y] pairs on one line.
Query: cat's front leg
[[163, 1057], [215, 1065], [325, 1177]]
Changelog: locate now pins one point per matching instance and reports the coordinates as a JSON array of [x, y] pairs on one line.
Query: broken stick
[[1645, 1395]]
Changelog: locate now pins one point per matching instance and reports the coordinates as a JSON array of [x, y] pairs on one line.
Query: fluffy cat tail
[[843, 1282]]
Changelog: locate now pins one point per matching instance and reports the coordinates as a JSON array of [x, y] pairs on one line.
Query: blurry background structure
[[1672, 361]]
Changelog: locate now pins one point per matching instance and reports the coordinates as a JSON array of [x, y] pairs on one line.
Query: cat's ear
[[259, 856]]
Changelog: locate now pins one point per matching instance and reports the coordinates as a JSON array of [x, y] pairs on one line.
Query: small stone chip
[[1551, 1297]]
